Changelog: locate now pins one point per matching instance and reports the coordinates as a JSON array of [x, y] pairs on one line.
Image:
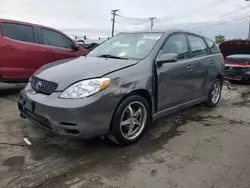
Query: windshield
[[127, 46]]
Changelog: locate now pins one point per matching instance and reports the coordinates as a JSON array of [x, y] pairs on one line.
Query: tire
[[123, 114], [210, 102]]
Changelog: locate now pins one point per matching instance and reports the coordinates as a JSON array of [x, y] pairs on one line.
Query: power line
[[221, 22], [131, 18], [217, 18], [131, 23], [225, 15], [211, 4]]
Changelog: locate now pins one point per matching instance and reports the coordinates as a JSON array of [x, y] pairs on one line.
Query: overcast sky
[[92, 17]]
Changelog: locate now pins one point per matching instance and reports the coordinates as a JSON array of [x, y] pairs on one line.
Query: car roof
[[167, 31], [32, 24], [26, 23]]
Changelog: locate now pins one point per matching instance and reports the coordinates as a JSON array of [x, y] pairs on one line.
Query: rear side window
[[212, 47], [18, 32], [52, 38], [198, 46]]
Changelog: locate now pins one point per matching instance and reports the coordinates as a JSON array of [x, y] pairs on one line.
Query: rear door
[[56, 46], [201, 62], [216, 61], [19, 52], [175, 82]]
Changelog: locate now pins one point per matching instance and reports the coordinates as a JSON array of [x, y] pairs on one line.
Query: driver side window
[[52, 38], [176, 44]]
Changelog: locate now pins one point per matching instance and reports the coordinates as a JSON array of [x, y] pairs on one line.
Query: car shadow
[[234, 82], [10, 89]]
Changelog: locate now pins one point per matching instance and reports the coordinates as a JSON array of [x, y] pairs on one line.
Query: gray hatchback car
[[120, 87]]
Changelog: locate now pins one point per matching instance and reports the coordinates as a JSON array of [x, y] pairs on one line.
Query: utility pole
[[249, 25], [189, 24], [113, 12], [152, 21], [249, 30]]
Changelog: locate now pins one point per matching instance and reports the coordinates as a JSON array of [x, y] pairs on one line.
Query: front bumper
[[82, 118], [237, 74]]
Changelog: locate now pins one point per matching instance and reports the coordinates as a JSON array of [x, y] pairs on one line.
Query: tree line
[[221, 38]]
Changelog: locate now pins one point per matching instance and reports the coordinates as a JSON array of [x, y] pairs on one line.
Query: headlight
[[85, 88]]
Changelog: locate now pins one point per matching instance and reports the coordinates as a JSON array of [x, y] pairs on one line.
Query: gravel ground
[[196, 148]]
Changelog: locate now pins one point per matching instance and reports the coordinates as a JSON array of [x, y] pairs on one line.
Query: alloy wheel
[[133, 120], [216, 91]]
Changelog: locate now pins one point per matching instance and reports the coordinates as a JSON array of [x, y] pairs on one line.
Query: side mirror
[[167, 58], [75, 47]]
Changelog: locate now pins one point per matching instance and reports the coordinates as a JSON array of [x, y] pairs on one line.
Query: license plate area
[[28, 104]]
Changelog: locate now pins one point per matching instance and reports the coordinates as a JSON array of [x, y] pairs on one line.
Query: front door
[[175, 81], [56, 46]]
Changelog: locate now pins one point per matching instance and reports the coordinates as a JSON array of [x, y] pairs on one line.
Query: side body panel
[[18, 58]]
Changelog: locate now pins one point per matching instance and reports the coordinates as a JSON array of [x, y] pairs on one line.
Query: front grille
[[234, 72], [43, 86], [38, 119]]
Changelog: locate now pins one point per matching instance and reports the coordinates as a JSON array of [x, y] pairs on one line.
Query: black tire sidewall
[[116, 134]]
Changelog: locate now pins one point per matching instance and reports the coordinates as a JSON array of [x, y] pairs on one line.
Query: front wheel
[[130, 120], [214, 93]]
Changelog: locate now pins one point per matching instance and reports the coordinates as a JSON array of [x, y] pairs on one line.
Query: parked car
[[89, 44], [25, 47], [124, 84], [237, 60], [237, 67]]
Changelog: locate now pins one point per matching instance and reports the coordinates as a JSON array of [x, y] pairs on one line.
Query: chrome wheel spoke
[[131, 111], [130, 130], [126, 122], [137, 113], [137, 122]]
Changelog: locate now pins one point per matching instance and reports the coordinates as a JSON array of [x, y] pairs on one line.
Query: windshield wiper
[[112, 56]]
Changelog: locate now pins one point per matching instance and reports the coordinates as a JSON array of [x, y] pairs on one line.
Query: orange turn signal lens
[[105, 84]]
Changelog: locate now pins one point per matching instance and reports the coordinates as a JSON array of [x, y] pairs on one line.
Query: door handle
[[8, 47], [190, 66], [212, 62]]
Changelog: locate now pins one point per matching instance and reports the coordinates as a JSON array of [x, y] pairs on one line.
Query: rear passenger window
[[198, 46], [176, 44], [18, 32], [212, 47], [52, 38]]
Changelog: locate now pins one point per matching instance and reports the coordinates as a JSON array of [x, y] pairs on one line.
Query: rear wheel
[[130, 120], [214, 93]]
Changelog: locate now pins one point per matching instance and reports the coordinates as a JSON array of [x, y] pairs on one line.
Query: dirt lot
[[197, 148]]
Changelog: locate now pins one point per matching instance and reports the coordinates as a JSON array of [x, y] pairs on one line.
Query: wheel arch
[[219, 76], [141, 92]]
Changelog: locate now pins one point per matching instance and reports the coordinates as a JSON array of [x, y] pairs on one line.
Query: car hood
[[68, 71], [235, 47]]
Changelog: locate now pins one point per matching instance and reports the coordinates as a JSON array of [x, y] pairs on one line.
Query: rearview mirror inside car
[[167, 58]]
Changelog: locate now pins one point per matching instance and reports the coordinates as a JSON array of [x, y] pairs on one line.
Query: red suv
[[25, 47]]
